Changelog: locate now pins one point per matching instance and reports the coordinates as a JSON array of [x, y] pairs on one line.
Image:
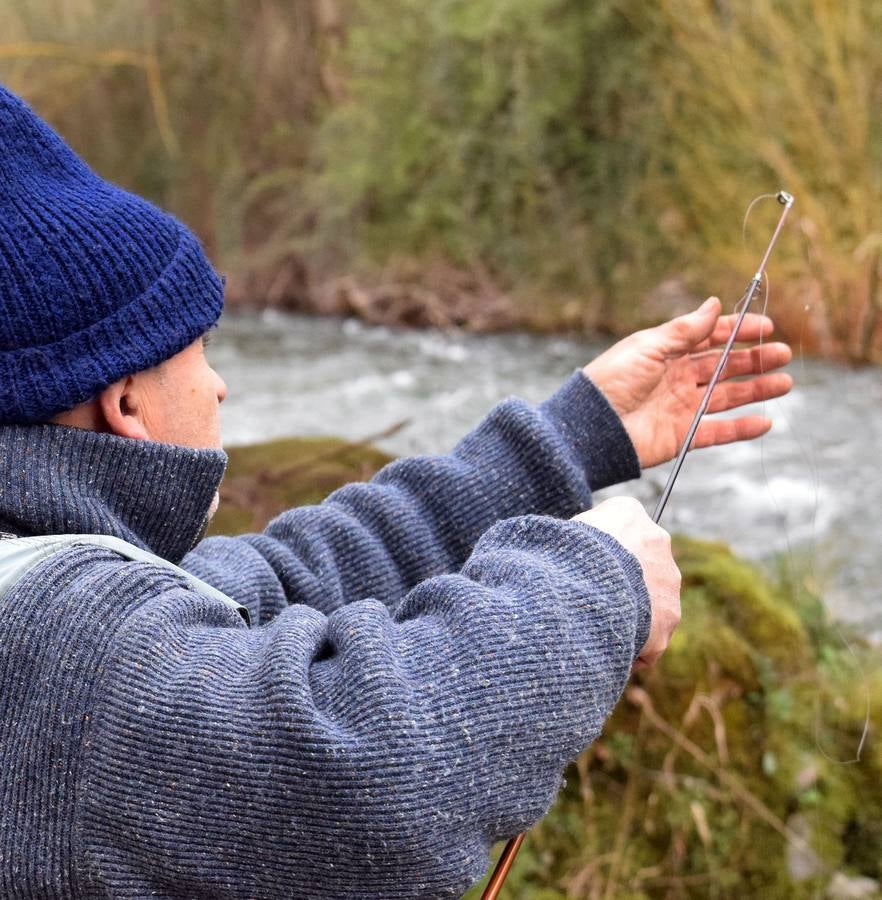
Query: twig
[[629, 807], [641, 699], [304, 465]]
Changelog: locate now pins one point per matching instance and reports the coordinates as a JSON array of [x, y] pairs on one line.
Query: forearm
[[365, 754], [421, 516]]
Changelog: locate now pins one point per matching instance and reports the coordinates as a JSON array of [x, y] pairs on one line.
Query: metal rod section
[[503, 865], [702, 409], [787, 201], [510, 851]]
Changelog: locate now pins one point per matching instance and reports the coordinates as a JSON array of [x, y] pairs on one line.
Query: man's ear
[[120, 405]]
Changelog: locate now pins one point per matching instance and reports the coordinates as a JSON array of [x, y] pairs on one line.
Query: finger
[[686, 334], [713, 432], [754, 328], [732, 394], [752, 361]]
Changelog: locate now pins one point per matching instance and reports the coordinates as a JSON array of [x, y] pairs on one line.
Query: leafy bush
[[600, 148], [497, 133]]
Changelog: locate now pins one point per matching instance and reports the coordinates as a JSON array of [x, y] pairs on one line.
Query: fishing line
[[809, 457], [786, 200], [750, 206], [507, 857]]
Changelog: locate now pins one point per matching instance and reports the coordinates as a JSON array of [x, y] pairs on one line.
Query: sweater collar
[[60, 480]]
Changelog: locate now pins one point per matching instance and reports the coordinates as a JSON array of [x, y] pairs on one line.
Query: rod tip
[[785, 199]]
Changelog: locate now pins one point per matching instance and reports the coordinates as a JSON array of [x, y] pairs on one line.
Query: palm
[[655, 380], [670, 398]]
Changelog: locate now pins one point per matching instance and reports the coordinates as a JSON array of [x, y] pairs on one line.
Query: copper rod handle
[[505, 862]]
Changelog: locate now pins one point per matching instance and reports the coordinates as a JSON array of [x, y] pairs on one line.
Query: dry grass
[[781, 94]]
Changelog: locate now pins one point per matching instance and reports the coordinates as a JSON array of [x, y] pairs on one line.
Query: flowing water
[[807, 495]]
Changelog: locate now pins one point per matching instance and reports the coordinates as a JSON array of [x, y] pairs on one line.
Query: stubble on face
[[182, 400]]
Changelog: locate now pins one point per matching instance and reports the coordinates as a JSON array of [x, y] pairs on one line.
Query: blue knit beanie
[[95, 283]]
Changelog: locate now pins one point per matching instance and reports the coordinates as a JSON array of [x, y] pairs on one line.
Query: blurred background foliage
[[544, 163]]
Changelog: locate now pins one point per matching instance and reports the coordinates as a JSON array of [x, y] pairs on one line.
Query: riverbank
[[557, 165], [731, 770], [438, 295]]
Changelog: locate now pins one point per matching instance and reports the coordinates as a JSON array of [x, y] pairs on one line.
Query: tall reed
[[779, 94]]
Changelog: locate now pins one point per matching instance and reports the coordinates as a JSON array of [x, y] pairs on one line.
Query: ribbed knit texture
[[432, 653], [95, 283]]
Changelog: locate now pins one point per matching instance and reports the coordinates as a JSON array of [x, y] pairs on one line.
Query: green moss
[[753, 607], [265, 479], [775, 700]]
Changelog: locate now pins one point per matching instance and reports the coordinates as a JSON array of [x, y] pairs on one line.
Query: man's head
[[104, 298]]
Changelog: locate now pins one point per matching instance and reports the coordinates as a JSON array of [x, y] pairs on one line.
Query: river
[[806, 496]]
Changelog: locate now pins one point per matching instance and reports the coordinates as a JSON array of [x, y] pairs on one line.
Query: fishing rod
[[786, 200], [510, 851]]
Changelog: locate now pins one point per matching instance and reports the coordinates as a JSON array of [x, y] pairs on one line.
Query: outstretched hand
[[655, 379]]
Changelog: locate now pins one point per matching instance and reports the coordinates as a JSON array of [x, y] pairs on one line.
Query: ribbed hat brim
[[185, 301]]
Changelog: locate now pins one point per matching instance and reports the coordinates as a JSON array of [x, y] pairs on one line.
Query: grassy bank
[[730, 771], [488, 162]]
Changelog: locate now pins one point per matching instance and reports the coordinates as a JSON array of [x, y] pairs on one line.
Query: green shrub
[[496, 133], [572, 154], [596, 149]]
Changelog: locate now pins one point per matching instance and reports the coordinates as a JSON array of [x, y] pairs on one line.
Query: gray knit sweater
[[427, 653]]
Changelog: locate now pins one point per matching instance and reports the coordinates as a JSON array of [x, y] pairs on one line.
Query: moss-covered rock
[[262, 480], [732, 767]]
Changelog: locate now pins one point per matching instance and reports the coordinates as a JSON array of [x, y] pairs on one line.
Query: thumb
[[685, 333]]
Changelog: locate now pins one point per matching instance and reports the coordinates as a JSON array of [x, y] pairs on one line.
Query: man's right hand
[[625, 519]]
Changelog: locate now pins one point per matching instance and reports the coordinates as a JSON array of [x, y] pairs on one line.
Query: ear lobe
[[119, 407]]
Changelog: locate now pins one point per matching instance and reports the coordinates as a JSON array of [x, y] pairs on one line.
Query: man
[[426, 652]]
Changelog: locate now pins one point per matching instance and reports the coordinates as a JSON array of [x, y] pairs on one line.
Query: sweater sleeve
[[366, 753], [421, 516]]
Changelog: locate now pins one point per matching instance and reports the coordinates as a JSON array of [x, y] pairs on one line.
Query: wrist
[[587, 421]]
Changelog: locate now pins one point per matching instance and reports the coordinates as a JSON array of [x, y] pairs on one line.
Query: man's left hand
[[655, 379]]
